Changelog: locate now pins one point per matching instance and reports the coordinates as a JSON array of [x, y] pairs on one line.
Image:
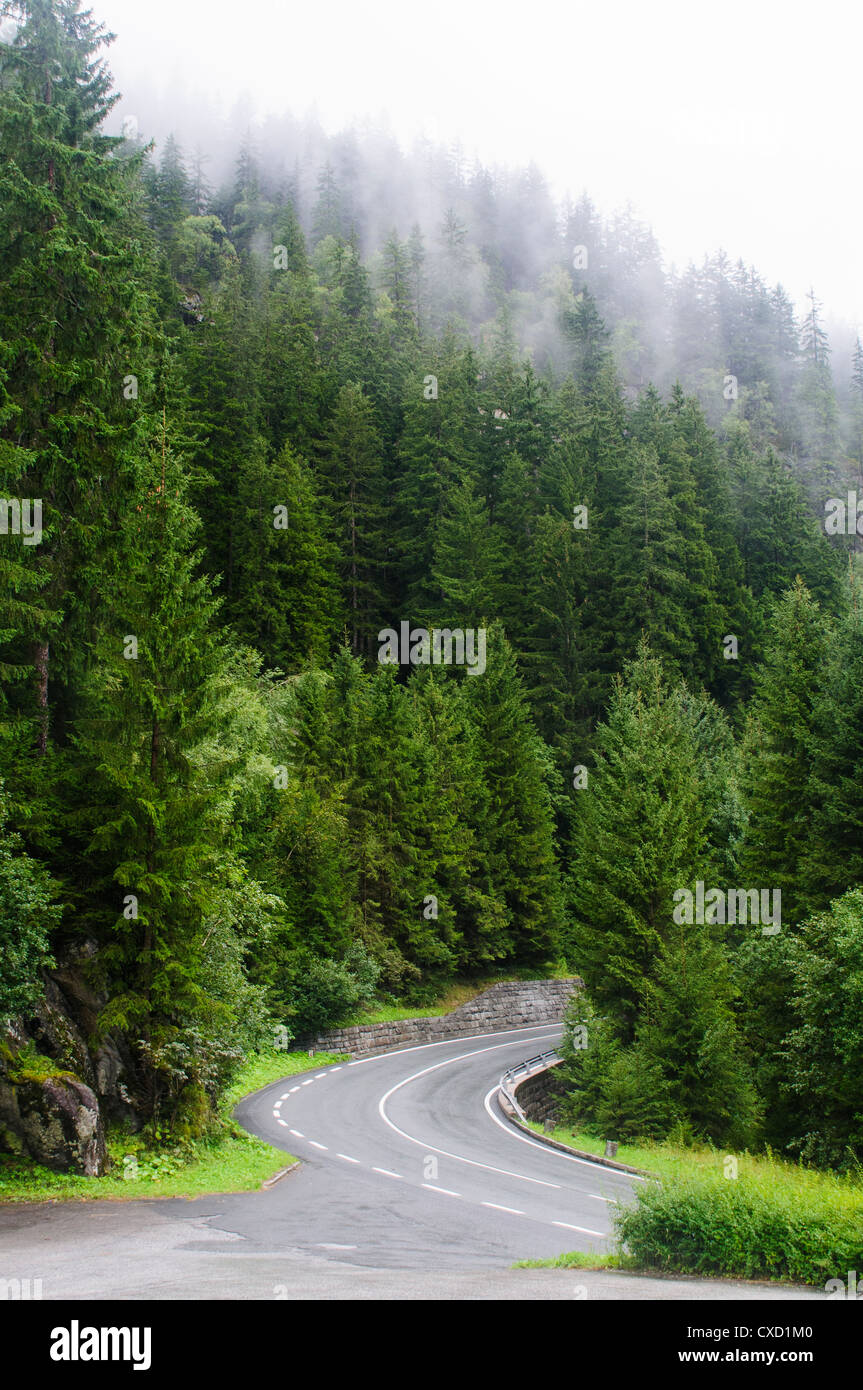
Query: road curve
[[422, 1125], [412, 1186]]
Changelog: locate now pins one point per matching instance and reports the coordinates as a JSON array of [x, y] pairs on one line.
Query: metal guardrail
[[524, 1069]]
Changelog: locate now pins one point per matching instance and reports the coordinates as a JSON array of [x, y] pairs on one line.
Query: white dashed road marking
[[585, 1230]]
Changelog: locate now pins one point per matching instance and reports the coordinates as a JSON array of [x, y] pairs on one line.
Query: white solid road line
[[431, 1148], [535, 1144], [469, 1037]]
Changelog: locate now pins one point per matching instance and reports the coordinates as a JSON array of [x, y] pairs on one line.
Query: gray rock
[[56, 1122]]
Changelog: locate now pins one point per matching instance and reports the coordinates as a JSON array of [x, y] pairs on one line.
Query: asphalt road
[[420, 1131], [412, 1186]]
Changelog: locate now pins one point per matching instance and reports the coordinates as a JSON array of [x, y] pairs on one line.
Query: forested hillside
[[254, 428]]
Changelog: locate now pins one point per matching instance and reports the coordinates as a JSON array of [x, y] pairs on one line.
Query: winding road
[[412, 1186], [418, 1134]]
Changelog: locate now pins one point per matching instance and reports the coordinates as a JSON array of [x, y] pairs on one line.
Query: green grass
[[230, 1160], [756, 1217], [575, 1259], [658, 1158]]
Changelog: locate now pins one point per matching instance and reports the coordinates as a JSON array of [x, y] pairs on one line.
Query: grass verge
[[744, 1216], [228, 1160]]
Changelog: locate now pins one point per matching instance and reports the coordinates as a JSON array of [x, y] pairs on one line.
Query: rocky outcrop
[[55, 1121], [56, 1085], [65, 1025], [510, 1004]]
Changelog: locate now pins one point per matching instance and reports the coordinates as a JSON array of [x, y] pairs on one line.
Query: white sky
[[725, 125]]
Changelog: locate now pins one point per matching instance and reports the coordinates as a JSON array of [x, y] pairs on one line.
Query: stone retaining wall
[[510, 1004]]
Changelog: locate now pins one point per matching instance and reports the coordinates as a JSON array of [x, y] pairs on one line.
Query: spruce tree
[[285, 596], [832, 843], [640, 834], [74, 320], [162, 736], [517, 847], [778, 748], [356, 500]]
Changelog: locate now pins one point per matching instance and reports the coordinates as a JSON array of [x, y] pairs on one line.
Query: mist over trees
[[274, 412]]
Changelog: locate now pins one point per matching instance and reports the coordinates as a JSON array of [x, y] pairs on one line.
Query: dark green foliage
[[823, 1049], [640, 833], [267, 423], [317, 993], [27, 914], [778, 749]]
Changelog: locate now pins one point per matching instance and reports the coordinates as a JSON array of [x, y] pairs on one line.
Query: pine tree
[[73, 320], [171, 192], [395, 278], [162, 736], [439, 449], [816, 400], [328, 221], [831, 844], [778, 750], [517, 848], [640, 834], [467, 559], [649, 586], [353, 470], [285, 596]]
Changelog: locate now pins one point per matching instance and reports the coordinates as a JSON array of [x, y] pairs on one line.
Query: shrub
[[323, 992], [776, 1223]]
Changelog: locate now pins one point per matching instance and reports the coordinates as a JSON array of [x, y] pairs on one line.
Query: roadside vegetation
[[710, 1212], [227, 1159]]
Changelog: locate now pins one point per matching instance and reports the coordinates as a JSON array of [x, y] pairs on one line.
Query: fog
[[725, 127]]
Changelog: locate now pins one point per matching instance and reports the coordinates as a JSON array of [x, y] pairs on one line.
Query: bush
[[778, 1223], [27, 914], [324, 992]]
